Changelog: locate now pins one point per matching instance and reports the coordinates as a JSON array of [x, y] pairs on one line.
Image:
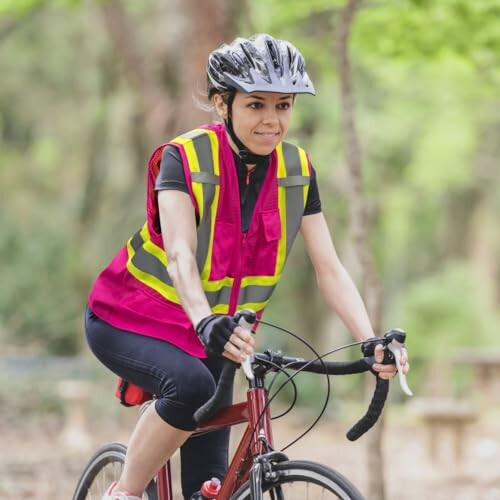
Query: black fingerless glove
[[368, 350], [368, 347], [214, 332]]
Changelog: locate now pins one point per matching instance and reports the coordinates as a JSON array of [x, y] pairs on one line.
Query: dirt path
[[35, 463]]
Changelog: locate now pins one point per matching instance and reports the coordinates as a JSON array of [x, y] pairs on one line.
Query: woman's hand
[[221, 335], [240, 345], [386, 372]]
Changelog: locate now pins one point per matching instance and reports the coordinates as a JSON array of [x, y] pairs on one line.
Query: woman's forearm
[[343, 297], [185, 276]]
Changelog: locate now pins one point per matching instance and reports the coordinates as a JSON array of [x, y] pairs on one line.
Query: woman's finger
[[234, 353], [243, 343]]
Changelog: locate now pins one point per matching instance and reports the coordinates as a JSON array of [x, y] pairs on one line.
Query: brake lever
[[246, 318], [395, 341]]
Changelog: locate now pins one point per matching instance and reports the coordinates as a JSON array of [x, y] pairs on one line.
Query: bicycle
[[257, 471]]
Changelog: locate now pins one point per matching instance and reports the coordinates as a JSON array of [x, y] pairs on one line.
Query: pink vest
[[237, 270]]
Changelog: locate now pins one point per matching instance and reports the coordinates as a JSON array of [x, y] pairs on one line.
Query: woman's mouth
[[268, 135]]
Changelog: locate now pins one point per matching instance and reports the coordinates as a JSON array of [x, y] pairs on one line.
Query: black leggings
[[182, 384]]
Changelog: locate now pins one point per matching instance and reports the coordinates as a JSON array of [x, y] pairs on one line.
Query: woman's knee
[[194, 387], [179, 399]]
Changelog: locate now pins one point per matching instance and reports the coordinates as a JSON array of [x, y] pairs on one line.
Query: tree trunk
[[210, 24], [156, 106], [359, 230]]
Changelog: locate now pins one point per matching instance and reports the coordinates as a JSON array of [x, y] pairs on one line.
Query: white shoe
[[118, 495]]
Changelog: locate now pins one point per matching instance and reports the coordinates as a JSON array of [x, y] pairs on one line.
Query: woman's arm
[[178, 224], [334, 282], [337, 287]]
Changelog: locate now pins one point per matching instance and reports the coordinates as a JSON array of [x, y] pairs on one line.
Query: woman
[[224, 205]]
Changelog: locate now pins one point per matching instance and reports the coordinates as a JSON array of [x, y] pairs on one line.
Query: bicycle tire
[[101, 470], [318, 480]]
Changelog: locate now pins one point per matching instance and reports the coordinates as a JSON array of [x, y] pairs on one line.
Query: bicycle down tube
[[256, 437]]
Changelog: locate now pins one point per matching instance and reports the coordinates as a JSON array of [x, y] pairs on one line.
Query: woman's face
[[260, 119]]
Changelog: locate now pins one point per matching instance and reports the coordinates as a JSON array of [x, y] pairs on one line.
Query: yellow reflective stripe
[[282, 250], [148, 279], [220, 309], [198, 162], [186, 140], [214, 286], [215, 149], [255, 306], [260, 280], [304, 166], [281, 172], [151, 248], [214, 142]]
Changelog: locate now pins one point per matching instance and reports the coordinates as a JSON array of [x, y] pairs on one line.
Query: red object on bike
[[210, 489]]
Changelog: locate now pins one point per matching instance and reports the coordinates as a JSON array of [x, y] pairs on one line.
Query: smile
[[268, 134]]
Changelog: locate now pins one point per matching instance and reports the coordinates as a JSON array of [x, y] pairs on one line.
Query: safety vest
[[237, 270], [245, 286]]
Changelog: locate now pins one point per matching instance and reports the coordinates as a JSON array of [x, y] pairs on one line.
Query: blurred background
[[88, 88]]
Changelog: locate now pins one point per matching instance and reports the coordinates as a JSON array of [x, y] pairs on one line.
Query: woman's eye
[[255, 105], [284, 105]]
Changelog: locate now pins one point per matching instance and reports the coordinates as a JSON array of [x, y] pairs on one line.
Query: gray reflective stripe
[[205, 177], [192, 134], [203, 148], [294, 193], [292, 160], [255, 294], [294, 180], [221, 296], [148, 263]]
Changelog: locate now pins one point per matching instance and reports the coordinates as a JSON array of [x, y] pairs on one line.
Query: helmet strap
[[245, 155]]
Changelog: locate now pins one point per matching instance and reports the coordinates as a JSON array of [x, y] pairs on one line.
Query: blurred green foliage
[[425, 78]]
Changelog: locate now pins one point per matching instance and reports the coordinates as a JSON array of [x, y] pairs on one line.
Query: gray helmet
[[258, 64]]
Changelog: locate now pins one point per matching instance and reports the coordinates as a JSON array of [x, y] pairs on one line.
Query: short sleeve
[[313, 202], [171, 175]]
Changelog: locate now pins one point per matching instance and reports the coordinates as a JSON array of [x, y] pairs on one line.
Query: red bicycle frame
[[257, 435]]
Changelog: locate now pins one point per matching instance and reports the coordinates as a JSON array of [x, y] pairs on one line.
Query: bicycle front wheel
[[104, 468], [302, 480]]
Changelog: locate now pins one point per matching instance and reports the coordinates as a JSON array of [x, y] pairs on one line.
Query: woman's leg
[[205, 456], [181, 382], [152, 442]]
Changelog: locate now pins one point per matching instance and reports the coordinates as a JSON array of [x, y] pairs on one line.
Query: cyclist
[[224, 204]]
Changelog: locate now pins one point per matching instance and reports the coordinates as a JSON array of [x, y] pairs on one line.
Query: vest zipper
[[233, 302]]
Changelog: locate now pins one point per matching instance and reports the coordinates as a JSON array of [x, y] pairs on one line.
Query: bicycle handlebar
[[206, 411], [393, 341]]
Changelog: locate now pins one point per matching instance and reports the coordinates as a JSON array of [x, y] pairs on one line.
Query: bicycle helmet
[[258, 64]]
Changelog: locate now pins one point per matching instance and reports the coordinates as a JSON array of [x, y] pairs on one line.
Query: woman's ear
[[220, 106]]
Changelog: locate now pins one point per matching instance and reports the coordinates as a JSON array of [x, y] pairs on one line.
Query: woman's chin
[[264, 150]]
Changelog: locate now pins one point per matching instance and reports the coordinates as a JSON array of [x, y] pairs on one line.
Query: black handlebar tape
[[223, 386], [373, 412], [332, 367]]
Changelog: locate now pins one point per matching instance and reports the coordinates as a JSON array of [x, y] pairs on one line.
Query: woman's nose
[[270, 116]]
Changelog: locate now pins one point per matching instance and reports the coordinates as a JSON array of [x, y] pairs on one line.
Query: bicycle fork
[[263, 470]]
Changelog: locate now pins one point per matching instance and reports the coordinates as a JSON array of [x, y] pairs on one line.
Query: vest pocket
[[266, 250], [272, 225]]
